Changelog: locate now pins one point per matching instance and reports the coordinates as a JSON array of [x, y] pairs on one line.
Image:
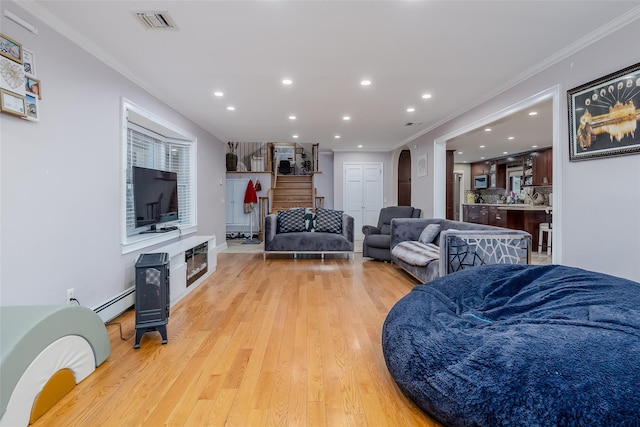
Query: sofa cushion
[[379, 241], [429, 233], [329, 221], [416, 253], [291, 220]]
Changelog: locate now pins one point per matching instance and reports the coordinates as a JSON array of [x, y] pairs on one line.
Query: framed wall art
[[12, 103], [10, 48], [32, 107], [32, 86], [11, 76], [421, 169], [604, 115], [29, 63]]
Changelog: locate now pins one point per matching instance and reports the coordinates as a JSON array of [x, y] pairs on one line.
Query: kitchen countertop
[[515, 207]]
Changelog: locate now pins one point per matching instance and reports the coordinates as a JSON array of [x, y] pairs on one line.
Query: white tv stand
[[178, 264]]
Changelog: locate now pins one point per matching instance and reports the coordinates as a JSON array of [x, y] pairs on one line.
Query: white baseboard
[[113, 307], [118, 304]]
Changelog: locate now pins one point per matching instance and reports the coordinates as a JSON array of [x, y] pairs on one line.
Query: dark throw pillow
[[328, 221], [291, 220]]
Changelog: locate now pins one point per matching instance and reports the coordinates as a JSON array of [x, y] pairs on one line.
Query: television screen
[[155, 196]]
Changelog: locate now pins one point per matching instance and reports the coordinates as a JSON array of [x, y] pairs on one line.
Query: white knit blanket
[[416, 253]]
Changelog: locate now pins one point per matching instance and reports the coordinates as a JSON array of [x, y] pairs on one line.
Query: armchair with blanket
[[377, 239]]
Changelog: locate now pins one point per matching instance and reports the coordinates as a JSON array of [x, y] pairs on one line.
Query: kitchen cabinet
[[495, 216], [484, 215], [471, 213], [480, 168], [497, 175], [538, 168], [477, 214]]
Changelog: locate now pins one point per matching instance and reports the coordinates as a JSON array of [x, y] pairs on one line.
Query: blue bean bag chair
[[519, 345]]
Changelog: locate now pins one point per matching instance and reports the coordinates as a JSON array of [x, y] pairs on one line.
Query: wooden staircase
[[292, 191]]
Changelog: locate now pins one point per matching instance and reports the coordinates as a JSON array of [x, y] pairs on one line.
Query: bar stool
[[545, 227]]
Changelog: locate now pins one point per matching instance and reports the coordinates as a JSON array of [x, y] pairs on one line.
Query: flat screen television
[[155, 198]]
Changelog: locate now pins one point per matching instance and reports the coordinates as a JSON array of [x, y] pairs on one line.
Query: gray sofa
[[377, 239], [307, 242], [460, 245]]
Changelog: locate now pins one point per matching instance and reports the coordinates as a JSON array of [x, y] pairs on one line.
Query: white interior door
[[362, 190], [236, 218]]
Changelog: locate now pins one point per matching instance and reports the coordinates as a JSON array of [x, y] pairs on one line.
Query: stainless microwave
[[480, 182]]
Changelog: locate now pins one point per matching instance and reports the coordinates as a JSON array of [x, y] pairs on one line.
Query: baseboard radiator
[[116, 305]]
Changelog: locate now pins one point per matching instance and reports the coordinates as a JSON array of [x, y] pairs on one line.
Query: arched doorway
[[404, 178]]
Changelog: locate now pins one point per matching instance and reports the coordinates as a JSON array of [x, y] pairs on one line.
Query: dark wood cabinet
[[471, 213], [538, 168], [497, 175], [494, 215], [480, 168], [484, 215], [477, 214]]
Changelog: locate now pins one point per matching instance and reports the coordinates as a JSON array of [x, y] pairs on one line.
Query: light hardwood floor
[[280, 342]]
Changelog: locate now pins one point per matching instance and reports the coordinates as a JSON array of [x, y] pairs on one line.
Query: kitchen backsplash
[[493, 195]]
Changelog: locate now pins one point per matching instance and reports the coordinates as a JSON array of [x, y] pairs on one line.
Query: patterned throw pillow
[[328, 221], [309, 220], [429, 233], [291, 220]]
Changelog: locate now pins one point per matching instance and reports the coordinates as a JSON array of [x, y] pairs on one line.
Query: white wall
[[61, 182], [341, 157], [600, 199], [324, 180]]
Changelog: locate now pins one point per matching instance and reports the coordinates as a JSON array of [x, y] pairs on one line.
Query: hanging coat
[[250, 198]]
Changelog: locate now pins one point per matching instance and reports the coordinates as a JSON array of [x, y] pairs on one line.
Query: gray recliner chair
[[377, 239]]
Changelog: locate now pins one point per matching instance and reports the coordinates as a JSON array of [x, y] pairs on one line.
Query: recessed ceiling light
[[360, 146], [487, 129], [231, 108], [295, 136], [533, 113], [464, 161], [534, 146], [292, 117], [482, 158], [482, 146], [337, 137], [218, 93], [460, 152], [505, 152], [410, 110], [365, 82], [346, 118], [426, 96], [287, 81], [510, 138]]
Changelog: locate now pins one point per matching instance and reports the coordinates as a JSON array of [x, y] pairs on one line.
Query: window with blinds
[[149, 141], [151, 150]]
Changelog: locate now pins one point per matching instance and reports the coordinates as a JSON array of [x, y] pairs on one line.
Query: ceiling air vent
[[156, 20], [413, 123]]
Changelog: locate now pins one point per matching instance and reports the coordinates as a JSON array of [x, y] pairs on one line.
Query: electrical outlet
[[69, 295]]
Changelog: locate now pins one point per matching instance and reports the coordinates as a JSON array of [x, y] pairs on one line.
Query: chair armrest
[[270, 228], [460, 249], [348, 227], [370, 229]]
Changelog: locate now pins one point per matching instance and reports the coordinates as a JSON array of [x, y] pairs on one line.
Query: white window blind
[[149, 149]]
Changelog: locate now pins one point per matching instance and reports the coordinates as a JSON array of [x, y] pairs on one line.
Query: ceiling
[[461, 53], [525, 130]]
